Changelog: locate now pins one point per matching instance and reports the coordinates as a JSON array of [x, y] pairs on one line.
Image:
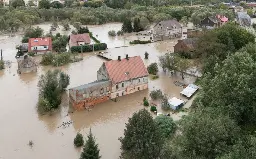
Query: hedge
[[140, 42], [89, 48], [93, 38]]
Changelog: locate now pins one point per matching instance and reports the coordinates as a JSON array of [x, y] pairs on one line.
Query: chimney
[[119, 58], [127, 57]]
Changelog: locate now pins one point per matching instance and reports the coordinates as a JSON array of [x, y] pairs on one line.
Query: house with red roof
[[115, 78], [40, 45], [79, 39]]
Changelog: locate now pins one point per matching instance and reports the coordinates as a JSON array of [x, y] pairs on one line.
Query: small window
[[122, 93], [122, 84], [139, 80], [101, 90], [138, 88], [45, 47], [117, 86], [117, 95]]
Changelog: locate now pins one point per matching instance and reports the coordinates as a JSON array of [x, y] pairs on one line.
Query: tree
[[51, 85], [18, 3], [167, 62], [46, 4], [206, 135], [65, 24], [90, 150], [112, 33], [184, 21], [230, 89], [83, 30], [153, 69], [127, 26], [182, 65], [156, 94], [56, 4], [142, 138], [136, 25], [79, 141], [166, 125], [31, 3], [32, 33]]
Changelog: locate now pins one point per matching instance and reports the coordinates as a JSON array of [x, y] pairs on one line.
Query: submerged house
[[40, 45], [189, 91], [79, 39], [26, 64], [115, 78], [186, 47], [167, 30], [175, 103], [213, 22], [243, 19]]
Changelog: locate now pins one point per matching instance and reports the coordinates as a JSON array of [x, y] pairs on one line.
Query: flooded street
[[21, 123]]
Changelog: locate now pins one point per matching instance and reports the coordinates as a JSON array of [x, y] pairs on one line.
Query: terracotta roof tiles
[[123, 70]]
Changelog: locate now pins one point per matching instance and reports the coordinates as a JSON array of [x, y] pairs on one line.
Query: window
[[122, 84], [101, 90], [117, 86], [138, 88], [45, 47], [139, 80], [117, 95], [122, 93]]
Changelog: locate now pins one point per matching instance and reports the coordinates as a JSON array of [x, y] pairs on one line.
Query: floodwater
[[21, 123]]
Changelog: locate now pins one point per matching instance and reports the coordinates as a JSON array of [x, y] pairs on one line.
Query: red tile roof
[[124, 70], [74, 39], [46, 41]]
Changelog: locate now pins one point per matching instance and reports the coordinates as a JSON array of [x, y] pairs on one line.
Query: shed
[[175, 103], [190, 90]]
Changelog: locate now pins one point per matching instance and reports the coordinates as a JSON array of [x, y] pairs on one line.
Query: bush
[[153, 108], [112, 33], [145, 103], [61, 59], [47, 59], [119, 33], [31, 54], [165, 104], [25, 39], [153, 69], [140, 42], [166, 126], [79, 141], [254, 25], [144, 99], [155, 77], [156, 94], [43, 106], [93, 38], [1, 64], [89, 48]]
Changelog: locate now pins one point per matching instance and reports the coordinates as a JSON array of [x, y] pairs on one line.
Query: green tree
[[79, 141], [166, 125], [46, 4], [1, 64], [90, 150], [231, 90], [18, 3], [182, 65], [51, 85], [31, 3], [127, 26], [136, 25], [184, 21], [153, 68], [33, 33], [56, 4], [65, 24], [206, 135], [142, 138]]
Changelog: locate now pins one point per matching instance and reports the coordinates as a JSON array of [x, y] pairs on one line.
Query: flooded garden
[[19, 95]]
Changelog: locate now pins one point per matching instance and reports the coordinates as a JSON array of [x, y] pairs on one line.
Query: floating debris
[[65, 124]]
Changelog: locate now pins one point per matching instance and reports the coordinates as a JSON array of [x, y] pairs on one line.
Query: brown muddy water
[[21, 123]]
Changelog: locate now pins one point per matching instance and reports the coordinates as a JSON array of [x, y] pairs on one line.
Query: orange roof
[[124, 70], [45, 41], [74, 39]]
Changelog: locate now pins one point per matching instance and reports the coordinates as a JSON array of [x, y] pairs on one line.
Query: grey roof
[[93, 85], [169, 24], [214, 19]]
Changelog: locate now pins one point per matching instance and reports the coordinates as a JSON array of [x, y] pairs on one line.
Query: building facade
[[115, 78], [167, 30]]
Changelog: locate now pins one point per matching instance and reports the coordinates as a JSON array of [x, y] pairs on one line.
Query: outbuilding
[[189, 91], [175, 103]]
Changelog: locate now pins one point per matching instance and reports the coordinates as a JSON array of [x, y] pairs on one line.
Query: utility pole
[[1, 55]]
